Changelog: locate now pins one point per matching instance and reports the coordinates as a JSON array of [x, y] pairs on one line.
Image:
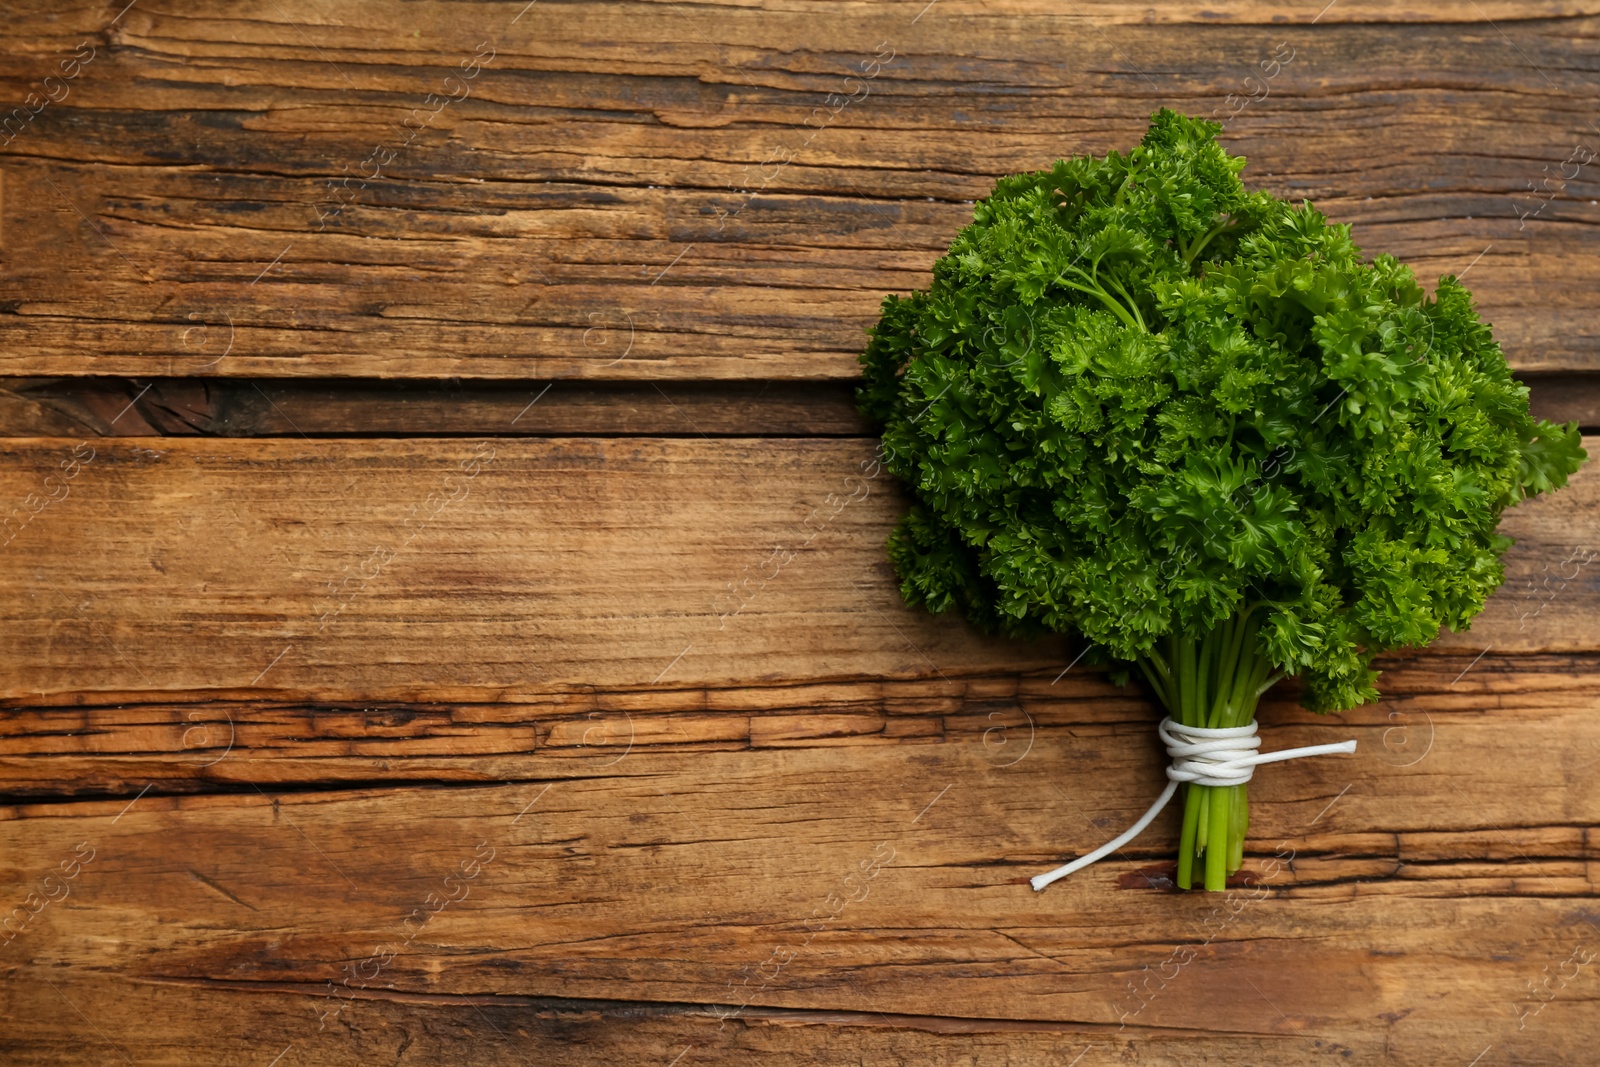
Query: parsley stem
[[1133, 305], [1234, 629], [1195, 249], [1219, 848], [1108, 300], [1214, 681], [1186, 838], [1241, 822], [1272, 680], [1160, 663], [1186, 672], [1156, 682]]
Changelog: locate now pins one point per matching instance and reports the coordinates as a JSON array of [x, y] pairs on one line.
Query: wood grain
[[513, 500], [234, 407], [657, 878], [658, 207], [245, 1022], [462, 570], [125, 748]]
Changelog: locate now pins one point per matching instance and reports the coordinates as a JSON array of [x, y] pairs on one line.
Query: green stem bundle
[[1213, 682]]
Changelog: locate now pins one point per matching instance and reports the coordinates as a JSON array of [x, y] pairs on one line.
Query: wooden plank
[[457, 569], [180, 1023], [264, 695], [231, 407], [124, 749], [1565, 398], [691, 882], [657, 207], [460, 570], [175, 1024]]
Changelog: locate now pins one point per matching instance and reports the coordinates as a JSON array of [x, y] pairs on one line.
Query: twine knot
[[1221, 757]]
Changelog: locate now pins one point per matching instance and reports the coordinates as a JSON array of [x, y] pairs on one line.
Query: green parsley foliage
[[1142, 403]]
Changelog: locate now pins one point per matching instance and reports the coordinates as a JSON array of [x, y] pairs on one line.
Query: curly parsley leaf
[[1139, 400]]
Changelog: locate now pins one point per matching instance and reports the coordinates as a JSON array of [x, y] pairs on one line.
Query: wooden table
[[444, 599]]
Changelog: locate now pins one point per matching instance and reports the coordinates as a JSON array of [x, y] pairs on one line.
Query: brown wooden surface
[[386, 543], [656, 206], [232, 407]]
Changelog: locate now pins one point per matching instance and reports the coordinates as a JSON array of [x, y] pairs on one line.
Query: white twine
[[1221, 757]]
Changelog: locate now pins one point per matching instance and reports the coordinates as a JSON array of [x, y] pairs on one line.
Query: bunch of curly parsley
[[1187, 421]]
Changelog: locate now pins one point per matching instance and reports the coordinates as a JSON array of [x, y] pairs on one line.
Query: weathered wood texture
[[564, 541], [428, 570], [248, 1023], [121, 749], [234, 407], [656, 877], [464, 570], [699, 784], [710, 772], [716, 190]]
